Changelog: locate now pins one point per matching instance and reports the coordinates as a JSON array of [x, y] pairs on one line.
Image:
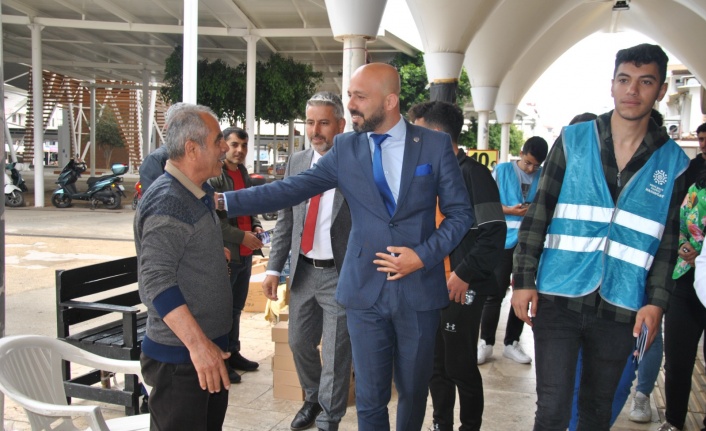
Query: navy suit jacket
[[429, 170]]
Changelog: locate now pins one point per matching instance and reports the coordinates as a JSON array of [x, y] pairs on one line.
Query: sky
[[578, 81]]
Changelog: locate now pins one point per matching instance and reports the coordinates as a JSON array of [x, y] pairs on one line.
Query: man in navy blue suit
[[392, 281]]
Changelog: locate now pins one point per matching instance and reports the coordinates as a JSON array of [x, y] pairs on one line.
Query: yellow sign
[[487, 158]]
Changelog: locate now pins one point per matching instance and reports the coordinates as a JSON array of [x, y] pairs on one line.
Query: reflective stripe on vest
[[511, 195], [590, 242]]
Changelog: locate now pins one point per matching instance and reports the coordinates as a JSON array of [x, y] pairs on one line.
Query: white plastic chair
[[30, 375]]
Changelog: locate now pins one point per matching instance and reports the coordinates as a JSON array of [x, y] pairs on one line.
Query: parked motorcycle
[[105, 189], [14, 187], [137, 196]]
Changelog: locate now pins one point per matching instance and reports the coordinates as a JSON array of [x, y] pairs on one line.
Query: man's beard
[[369, 124]]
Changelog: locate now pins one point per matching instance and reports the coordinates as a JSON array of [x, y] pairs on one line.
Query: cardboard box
[[288, 393], [280, 332], [284, 314], [283, 349], [258, 268], [282, 362], [284, 377], [256, 300]]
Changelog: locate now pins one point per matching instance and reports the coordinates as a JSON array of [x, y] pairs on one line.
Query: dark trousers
[[491, 309], [558, 335], [455, 367], [684, 323], [177, 401], [239, 283], [392, 336]]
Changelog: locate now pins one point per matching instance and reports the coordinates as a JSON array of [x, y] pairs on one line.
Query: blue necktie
[[379, 173]]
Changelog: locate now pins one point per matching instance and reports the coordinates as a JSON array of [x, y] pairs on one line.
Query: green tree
[[108, 135], [219, 86], [469, 138], [283, 87], [415, 86]]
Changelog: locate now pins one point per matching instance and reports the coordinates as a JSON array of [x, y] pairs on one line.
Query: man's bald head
[[374, 93]]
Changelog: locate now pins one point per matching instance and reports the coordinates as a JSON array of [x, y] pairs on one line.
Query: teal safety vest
[[511, 195], [593, 243]]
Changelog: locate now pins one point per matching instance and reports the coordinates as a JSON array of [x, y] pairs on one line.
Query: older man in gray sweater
[[183, 281]]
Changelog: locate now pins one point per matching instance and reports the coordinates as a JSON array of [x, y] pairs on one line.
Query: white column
[[482, 130], [38, 101], [191, 23], [504, 142], [250, 98], [505, 113], [146, 115], [92, 127], [354, 54]]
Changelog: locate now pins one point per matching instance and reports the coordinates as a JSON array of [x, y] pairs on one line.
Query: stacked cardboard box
[[285, 382], [256, 300]]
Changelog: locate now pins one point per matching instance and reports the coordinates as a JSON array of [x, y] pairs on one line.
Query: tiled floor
[[509, 392]]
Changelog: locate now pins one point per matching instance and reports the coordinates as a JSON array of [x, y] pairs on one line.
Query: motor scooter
[[14, 187], [105, 189], [137, 196]]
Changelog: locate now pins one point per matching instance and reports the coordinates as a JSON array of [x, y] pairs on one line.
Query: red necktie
[[310, 224]]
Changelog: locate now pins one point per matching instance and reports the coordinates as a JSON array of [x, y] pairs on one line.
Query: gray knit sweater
[[180, 261]]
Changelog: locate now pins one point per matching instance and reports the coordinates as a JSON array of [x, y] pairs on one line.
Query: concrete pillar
[[250, 97], [506, 116], [38, 101], [483, 102], [146, 115], [354, 56], [354, 23], [190, 57], [92, 127], [443, 70]]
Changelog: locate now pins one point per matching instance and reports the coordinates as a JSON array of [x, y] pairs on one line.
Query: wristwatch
[[220, 202]]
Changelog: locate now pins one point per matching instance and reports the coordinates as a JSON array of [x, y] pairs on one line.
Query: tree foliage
[[282, 87], [469, 137], [108, 135], [415, 86]]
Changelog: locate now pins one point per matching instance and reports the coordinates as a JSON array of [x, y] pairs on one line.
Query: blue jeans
[[239, 283], [558, 335]]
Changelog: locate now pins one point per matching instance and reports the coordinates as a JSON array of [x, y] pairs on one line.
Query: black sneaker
[[238, 362]]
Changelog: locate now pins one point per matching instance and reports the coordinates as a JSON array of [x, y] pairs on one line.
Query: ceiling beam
[[69, 6], [252, 25], [162, 5], [69, 63], [117, 11], [20, 7], [166, 29]]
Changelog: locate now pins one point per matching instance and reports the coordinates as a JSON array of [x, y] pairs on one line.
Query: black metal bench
[[84, 296]]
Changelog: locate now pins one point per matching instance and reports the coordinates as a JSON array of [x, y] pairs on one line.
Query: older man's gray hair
[[327, 98], [186, 124]]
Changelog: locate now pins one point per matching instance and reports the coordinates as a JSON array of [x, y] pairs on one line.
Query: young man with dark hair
[[240, 238], [471, 265], [517, 182], [600, 239]]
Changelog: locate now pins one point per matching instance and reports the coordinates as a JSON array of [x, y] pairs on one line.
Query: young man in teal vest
[[517, 182], [596, 249]]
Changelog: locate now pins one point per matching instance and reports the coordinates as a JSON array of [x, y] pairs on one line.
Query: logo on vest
[[660, 178], [450, 327]]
